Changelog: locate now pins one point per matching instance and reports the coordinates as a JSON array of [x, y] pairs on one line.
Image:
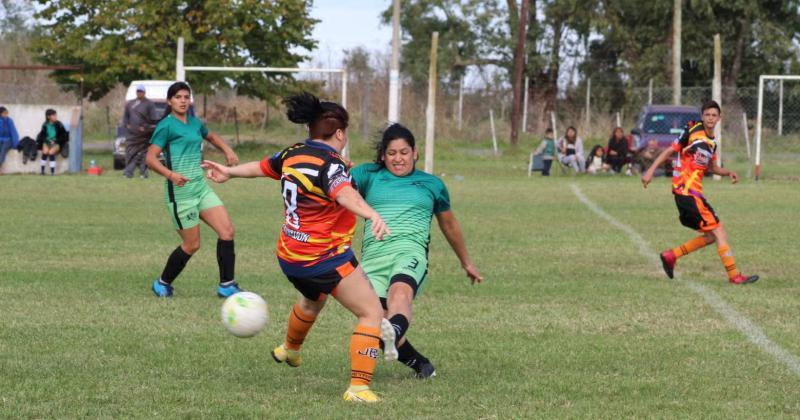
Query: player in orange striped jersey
[[314, 244], [697, 150]]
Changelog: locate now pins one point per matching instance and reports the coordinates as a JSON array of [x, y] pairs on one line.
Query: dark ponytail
[[392, 132], [172, 91], [322, 118]]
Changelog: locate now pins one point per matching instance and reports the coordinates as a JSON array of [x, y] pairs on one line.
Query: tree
[[14, 18], [519, 64], [469, 33], [15, 31], [125, 40], [357, 62], [563, 32]]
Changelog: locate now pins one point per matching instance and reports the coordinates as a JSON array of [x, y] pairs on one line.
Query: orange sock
[[726, 256], [363, 354], [690, 246], [299, 325]]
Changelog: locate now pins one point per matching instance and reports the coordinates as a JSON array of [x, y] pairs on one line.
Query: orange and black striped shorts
[[695, 213]]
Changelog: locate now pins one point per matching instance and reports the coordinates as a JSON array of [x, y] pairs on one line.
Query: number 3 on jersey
[[290, 200]]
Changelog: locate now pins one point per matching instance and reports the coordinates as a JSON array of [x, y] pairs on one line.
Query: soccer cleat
[[388, 335], [424, 370], [668, 261], [360, 394], [228, 289], [161, 289], [742, 279], [291, 357]]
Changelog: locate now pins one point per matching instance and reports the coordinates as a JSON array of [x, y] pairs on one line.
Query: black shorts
[[695, 213], [314, 287]]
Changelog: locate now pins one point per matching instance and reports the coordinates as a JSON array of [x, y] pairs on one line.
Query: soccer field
[[575, 319]]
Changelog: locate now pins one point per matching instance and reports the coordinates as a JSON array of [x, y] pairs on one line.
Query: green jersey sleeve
[[361, 177], [161, 134], [441, 200]]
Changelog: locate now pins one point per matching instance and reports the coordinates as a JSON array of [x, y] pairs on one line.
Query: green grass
[[571, 322]]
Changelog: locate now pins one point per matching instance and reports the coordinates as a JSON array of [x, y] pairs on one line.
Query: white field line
[[752, 331]]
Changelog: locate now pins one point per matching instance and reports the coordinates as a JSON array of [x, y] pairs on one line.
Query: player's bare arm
[[221, 173], [717, 170], [230, 156], [155, 164], [350, 199], [648, 176], [452, 231]]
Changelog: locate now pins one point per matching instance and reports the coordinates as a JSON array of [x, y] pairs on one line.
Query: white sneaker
[[388, 336]]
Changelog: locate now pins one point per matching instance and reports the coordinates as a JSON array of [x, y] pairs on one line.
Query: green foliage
[[121, 41], [471, 32], [14, 18], [630, 39]]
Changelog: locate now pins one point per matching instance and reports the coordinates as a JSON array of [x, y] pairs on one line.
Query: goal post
[[181, 69], [762, 81]]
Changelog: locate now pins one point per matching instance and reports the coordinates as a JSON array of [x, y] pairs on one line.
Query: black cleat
[[424, 370]]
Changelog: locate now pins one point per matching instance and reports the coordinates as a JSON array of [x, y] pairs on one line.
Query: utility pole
[[519, 67], [676, 52], [180, 73], [430, 112], [716, 94], [394, 72]]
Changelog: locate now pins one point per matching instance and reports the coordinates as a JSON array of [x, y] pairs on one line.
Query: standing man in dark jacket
[[139, 121]]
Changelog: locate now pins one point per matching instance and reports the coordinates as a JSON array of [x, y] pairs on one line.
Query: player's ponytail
[[322, 118], [393, 132], [172, 91]]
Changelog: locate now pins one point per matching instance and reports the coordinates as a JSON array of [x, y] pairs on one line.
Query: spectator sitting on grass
[[594, 163], [617, 148], [570, 149], [9, 138], [547, 148], [646, 157]]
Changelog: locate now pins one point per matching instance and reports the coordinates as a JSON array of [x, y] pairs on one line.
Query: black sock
[[409, 356], [226, 258], [400, 324], [175, 263]]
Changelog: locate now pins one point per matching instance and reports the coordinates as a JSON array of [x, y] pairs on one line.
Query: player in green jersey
[[397, 266], [189, 199]]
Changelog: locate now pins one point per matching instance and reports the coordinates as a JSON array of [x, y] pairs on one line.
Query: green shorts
[[185, 213], [409, 268]]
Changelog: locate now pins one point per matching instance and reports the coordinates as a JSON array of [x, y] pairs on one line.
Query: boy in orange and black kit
[[697, 149]]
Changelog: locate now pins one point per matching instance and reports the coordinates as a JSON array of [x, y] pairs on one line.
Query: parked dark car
[[663, 123]]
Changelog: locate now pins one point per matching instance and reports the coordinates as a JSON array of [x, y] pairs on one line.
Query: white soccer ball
[[244, 314]]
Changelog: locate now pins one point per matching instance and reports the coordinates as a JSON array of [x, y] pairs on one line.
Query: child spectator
[[547, 149], [51, 139], [594, 163]]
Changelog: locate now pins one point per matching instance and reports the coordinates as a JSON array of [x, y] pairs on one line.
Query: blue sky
[[345, 24]]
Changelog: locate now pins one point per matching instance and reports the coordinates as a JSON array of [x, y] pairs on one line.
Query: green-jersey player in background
[[397, 266], [188, 198]]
